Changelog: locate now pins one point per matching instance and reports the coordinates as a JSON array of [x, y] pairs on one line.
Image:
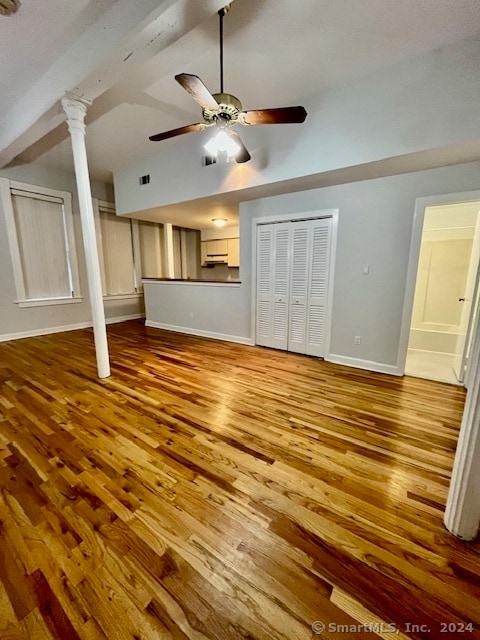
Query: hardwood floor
[[209, 490]]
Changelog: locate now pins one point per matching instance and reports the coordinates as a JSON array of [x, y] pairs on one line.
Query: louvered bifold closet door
[[273, 283], [299, 281], [281, 285], [264, 283], [318, 286]]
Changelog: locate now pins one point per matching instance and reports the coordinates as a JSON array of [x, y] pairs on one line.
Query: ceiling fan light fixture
[[222, 144], [219, 222]]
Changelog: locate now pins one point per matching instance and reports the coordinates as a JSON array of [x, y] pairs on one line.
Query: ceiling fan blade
[[197, 90], [177, 132], [283, 115], [242, 155]]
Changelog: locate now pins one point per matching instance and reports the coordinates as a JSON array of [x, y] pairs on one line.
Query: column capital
[[76, 109]]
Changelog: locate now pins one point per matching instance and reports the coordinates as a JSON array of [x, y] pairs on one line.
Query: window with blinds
[[42, 243], [151, 253], [186, 253], [115, 251], [127, 250]]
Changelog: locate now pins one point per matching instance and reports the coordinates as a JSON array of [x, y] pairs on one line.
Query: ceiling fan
[[224, 110]]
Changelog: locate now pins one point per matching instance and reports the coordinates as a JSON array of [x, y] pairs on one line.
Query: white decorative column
[[76, 109], [462, 515], [169, 251]]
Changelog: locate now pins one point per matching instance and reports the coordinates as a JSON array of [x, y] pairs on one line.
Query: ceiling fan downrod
[[222, 14]]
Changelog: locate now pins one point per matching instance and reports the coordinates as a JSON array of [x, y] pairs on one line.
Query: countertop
[[191, 280]]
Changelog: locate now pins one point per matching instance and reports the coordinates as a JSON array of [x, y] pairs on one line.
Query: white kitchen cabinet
[[233, 252], [223, 251], [217, 248]]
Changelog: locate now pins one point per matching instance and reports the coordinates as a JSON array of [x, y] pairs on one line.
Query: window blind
[[43, 246], [117, 260]]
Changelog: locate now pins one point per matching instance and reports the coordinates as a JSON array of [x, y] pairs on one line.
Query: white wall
[[375, 223], [15, 321], [212, 310], [426, 103]]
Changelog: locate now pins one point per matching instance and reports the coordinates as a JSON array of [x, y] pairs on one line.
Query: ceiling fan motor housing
[[229, 109]]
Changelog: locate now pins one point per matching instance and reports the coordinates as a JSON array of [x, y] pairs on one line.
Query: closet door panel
[[318, 289], [264, 283], [281, 285], [299, 274], [273, 255]]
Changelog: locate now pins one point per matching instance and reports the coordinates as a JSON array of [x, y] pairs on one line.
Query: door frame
[[297, 217], [415, 244], [473, 312]]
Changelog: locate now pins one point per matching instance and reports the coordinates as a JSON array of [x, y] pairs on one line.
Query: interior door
[[264, 284], [469, 304], [299, 285], [281, 285], [318, 287], [273, 285]]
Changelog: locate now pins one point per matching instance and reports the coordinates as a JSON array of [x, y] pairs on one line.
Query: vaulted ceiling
[[124, 56]]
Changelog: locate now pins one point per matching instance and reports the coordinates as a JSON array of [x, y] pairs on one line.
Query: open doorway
[[446, 293]]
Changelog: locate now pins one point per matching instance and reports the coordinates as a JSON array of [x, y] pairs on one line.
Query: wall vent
[[208, 160], [144, 179]]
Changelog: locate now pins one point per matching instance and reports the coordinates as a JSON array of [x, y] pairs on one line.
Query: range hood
[[217, 259]]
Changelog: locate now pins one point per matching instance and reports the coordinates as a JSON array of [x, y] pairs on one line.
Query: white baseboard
[[67, 327], [131, 316], [199, 332], [437, 353], [369, 365]]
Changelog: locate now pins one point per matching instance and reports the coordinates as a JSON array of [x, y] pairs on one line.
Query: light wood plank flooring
[[209, 490]]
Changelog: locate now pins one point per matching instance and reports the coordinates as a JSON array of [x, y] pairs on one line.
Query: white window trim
[[110, 207], [122, 296], [48, 302], [43, 193]]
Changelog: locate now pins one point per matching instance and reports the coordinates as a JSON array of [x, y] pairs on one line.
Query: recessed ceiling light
[[219, 222]]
